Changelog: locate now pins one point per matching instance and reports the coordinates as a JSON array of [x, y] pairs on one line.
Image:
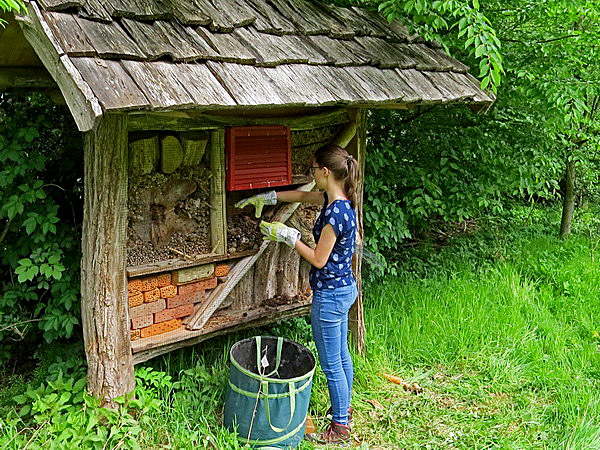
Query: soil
[[243, 233]]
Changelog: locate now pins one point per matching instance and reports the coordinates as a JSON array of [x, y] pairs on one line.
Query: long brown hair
[[343, 166]]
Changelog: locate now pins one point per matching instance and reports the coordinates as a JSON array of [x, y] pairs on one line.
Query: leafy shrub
[[40, 214]]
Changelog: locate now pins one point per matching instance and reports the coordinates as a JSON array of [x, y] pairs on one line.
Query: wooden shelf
[[174, 264], [148, 348]]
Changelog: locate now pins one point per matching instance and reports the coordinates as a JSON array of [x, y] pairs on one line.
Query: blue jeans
[[329, 318]]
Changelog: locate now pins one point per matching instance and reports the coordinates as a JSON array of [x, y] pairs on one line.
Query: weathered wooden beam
[[218, 212], [25, 77], [82, 102], [145, 349], [104, 309], [218, 295], [347, 133], [300, 122], [357, 148], [182, 121]]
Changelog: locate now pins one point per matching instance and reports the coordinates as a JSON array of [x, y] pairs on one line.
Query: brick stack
[[159, 303]]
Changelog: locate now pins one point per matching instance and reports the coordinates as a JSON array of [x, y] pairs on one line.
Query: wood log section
[[104, 303], [144, 153], [219, 294], [171, 154]]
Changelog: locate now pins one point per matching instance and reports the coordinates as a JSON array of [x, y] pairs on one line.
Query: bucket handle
[[277, 358], [292, 391], [264, 385]]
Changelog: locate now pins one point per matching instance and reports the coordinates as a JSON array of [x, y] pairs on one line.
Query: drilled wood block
[[147, 308], [168, 291], [135, 334], [151, 296], [221, 270], [164, 279], [149, 283], [159, 328], [174, 313], [192, 274], [134, 286], [171, 154], [136, 300], [142, 321]]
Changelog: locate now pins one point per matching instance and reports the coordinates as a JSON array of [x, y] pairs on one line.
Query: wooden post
[[103, 265], [357, 148]]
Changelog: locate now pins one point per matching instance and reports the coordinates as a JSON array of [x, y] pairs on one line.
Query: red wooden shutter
[[258, 157]]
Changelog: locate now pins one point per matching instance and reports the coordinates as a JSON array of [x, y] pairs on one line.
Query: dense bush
[[40, 216]]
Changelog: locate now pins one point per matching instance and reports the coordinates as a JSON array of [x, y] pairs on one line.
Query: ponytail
[[351, 181], [343, 166]]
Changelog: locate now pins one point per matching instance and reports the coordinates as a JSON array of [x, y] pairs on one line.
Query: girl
[[331, 279]]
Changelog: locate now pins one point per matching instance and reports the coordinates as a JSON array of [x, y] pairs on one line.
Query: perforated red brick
[[151, 296], [168, 291], [159, 328], [136, 300], [134, 286], [149, 283], [164, 279], [221, 270], [141, 322], [147, 308], [174, 313]]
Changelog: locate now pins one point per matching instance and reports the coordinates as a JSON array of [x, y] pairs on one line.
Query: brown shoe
[[329, 416], [336, 434]]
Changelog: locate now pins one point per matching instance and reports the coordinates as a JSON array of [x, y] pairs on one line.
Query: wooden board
[[145, 349], [111, 83], [82, 102]]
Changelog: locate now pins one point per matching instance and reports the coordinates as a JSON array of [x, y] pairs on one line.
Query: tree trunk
[[103, 265], [568, 200]]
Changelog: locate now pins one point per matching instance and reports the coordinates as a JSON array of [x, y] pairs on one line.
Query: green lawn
[[499, 329]]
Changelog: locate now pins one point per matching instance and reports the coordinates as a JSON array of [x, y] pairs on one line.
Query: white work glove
[[278, 232], [259, 201]]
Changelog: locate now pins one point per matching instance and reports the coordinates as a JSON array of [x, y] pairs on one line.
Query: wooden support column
[[357, 148], [103, 265]]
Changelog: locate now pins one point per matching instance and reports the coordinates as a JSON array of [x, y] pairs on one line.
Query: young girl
[[331, 279]]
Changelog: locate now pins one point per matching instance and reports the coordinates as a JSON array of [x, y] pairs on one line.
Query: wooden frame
[[111, 355]]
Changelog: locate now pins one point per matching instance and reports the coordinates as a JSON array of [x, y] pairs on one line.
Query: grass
[[500, 329]]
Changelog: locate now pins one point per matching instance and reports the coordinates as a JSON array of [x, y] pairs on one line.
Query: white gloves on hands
[[278, 232], [259, 201]]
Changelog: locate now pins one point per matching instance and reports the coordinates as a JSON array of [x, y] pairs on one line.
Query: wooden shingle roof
[[178, 54]]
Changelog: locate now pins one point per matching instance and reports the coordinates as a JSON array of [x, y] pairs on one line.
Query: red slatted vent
[[258, 157]]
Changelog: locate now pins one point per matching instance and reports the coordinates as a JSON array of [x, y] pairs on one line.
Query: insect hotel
[[187, 107]]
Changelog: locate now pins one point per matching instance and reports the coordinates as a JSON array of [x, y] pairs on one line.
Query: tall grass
[[500, 330]]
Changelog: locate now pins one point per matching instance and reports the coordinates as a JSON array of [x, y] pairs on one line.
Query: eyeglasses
[[311, 170]]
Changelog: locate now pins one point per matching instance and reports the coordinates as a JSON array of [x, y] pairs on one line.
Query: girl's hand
[[259, 201], [278, 232]]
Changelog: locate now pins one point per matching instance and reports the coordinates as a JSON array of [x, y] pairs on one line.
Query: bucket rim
[[271, 379]]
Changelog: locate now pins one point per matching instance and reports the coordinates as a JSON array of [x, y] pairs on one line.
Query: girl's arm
[[319, 256], [300, 196]]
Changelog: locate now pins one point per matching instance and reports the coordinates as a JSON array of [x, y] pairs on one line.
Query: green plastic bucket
[[270, 381]]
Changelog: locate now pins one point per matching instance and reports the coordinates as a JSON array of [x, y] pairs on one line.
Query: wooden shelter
[[188, 106]]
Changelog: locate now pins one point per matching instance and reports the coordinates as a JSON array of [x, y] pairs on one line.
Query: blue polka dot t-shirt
[[338, 270]]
